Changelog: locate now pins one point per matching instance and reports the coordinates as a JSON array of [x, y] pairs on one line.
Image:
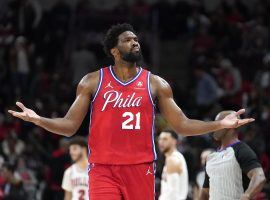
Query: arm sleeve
[[246, 157], [66, 183], [206, 180]]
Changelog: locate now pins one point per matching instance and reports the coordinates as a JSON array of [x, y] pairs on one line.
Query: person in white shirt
[[75, 180], [174, 183]]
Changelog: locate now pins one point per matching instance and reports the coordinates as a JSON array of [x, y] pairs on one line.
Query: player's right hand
[[26, 114]]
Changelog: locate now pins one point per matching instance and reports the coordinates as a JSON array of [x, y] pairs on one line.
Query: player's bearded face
[[165, 143], [129, 47], [132, 55]]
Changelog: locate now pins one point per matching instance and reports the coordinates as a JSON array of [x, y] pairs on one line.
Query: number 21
[[127, 124]]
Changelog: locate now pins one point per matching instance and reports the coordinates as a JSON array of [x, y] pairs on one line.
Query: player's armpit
[[204, 194], [68, 195]]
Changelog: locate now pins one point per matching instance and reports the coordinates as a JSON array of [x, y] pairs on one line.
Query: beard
[[165, 150], [132, 57]]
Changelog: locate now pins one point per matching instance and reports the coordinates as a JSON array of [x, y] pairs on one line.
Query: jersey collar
[[128, 82]]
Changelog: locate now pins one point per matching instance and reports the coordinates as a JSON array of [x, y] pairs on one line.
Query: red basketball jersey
[[122, 120]]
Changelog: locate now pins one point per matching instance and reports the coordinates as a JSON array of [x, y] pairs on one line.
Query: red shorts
[[122, 182]]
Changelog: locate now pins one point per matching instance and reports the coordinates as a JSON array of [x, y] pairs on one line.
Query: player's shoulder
[[90, 81], [241, 146], [173, 164], [160, 85], [174, 160], [90, 77], [68, 170], [155, 79]]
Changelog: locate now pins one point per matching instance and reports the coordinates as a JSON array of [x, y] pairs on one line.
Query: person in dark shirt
[[233, 172], [13, 187]]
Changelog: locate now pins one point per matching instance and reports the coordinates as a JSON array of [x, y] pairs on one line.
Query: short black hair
[[171, 132], [79, 140], [111, 37]]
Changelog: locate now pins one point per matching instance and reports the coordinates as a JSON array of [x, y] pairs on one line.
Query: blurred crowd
[[46, 50]]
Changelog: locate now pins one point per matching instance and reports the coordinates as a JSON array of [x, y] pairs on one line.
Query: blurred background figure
[[20, 64], [12, 184], [174, 182], [201, 173], [206, 90], [82, 60], [75, 180]]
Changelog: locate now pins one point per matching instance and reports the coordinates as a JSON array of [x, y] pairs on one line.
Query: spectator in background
[[82, 60], [203, 42], [12, 147], [262, 77], [59, 162], [28, 178], [201, 173], [197, 20], [230, 82], [28, 14], [206, 90], [3, 128], [13, 189], [59, 24], [20, 63]]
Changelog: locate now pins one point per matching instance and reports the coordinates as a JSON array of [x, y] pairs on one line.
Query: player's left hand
[[233, 120]]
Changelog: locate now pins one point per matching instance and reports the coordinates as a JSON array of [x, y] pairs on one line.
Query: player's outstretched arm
[[70, 123], [257, 180], [182, 124]]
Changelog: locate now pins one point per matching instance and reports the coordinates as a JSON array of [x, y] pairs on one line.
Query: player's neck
[[170, 152], [125, 70], [82, 164]]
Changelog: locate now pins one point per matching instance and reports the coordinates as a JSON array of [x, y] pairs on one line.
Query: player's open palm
[[233, 120], [26, 114]]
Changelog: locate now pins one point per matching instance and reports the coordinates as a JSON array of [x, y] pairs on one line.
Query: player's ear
[[115, 52]]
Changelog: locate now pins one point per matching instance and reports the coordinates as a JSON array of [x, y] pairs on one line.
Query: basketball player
[[75, 180], [233, 172], [174, 182], [123, 99]]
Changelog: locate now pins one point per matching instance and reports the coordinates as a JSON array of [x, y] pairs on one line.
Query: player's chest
[[78, 180], [121, 97]]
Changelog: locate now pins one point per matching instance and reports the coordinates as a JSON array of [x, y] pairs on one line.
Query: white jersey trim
[[99, 84], [149, 89], [128, 82]]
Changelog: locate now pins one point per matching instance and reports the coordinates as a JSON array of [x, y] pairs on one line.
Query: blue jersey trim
[[99, 84], [128, 82]]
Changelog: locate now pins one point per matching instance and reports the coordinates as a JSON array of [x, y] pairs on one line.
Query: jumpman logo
[[109, 85], [149, 171]]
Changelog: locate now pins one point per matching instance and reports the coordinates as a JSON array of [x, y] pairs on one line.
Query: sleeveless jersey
[[76, 182], [121, 129], [179, 189]]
